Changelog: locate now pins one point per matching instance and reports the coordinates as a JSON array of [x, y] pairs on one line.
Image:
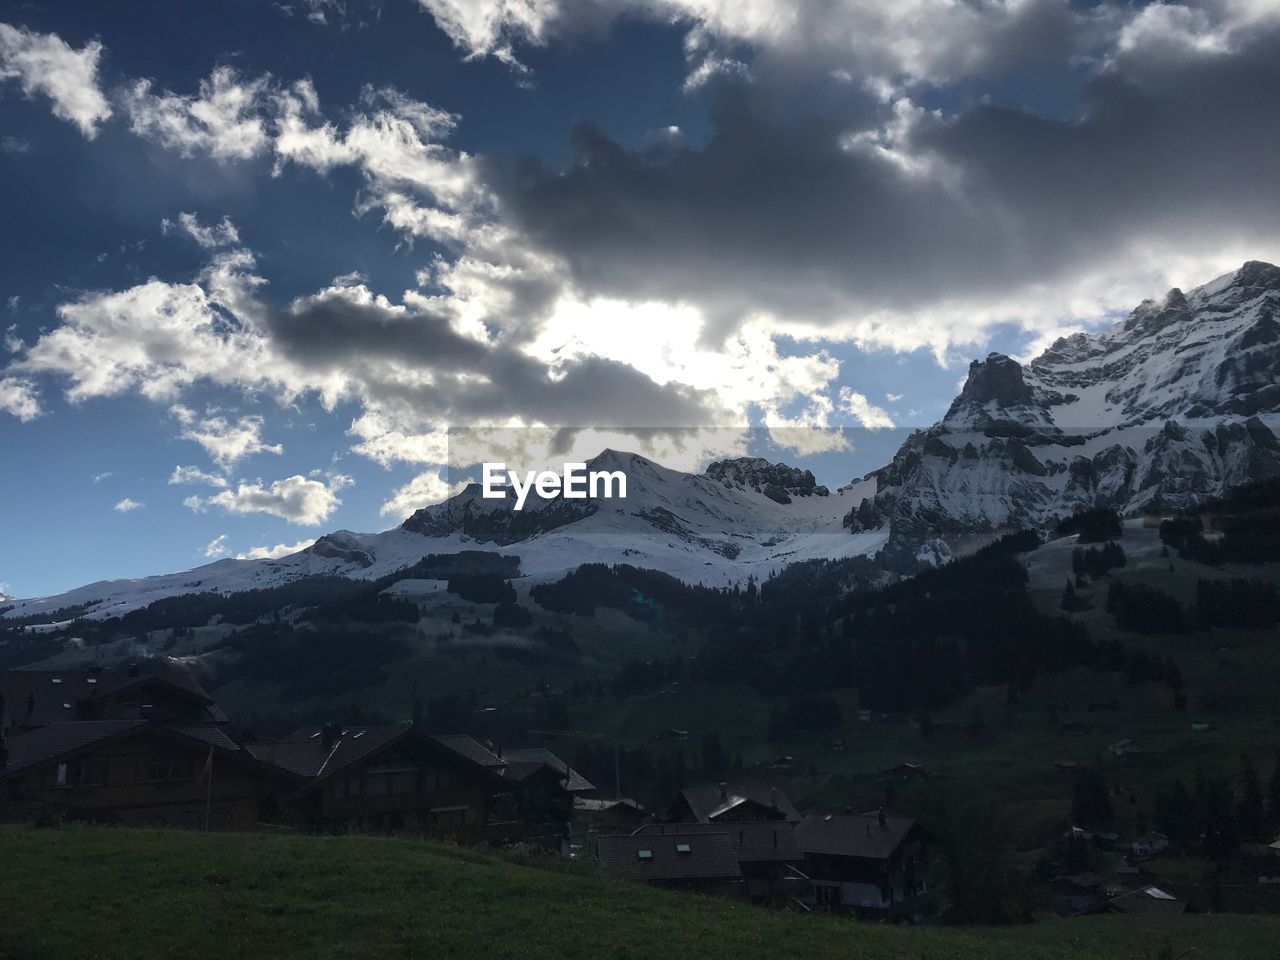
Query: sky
[[257, 259]]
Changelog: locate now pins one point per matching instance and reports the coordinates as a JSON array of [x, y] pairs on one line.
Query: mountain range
[[1178, 401]]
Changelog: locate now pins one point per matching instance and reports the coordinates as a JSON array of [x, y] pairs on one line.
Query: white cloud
[[18, 398], [224, 119], [490, 28], [422, 491], [227, 442], [216, 547], [893, 397], [43, 63], [861, 409], [127, 504], [99, 477], [221, 234], [296, 499], [274, 553], [918, 40], [196, 475], [156, 338]]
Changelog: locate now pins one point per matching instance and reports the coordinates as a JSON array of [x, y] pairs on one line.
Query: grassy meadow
[[83, 893]]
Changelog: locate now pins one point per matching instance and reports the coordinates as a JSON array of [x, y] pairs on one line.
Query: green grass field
[[97, 893]]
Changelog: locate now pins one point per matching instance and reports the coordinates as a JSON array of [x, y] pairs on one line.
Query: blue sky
[[258, 257]]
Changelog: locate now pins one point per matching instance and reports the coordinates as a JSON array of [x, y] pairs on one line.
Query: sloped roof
[[594, 805], [305, 753], [49, 743], [209, 733], [523, 763], [709, 803], [55, 695], [1147, 900], [471, 748], [753, 841], [58, 739], [705, 857], [851, 835]]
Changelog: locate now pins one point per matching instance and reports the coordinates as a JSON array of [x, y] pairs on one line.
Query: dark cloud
[[376, 343], [1171, 149]]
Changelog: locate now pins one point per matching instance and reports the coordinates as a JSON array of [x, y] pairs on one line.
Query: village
[[146, 746]]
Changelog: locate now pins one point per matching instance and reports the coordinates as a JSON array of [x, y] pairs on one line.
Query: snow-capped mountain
[[1178, 401], [714, 528]]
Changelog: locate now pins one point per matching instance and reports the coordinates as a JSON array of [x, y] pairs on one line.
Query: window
[[644, 854], [160, 769], [682, 848], [85, 772], [398, 781]]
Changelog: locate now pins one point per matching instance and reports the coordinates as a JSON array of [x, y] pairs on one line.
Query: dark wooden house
[[768, 858], [702, 862], [733, 804], [872, 865], [609, 816], [137, 772], [386, 778], [544, 785], [30, 699]]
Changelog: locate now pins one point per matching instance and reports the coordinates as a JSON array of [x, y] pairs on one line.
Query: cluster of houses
[[149, 747]]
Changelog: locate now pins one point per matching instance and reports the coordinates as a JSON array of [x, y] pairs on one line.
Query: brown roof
[[58, 740], [58, 696], [853, 835], [305, 753], [670, 858], [471, 748], [709, 803], [593, 805], [524, 763], [753, 841], [1147, 900]]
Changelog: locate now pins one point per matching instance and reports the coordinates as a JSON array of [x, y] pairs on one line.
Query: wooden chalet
[[137, 773], [873, 865], [1078, 892], [768, 858], [609, 816], [725, 804], [701, 862], [544, 785], [30, 699], [385, 778], [1149, 899]]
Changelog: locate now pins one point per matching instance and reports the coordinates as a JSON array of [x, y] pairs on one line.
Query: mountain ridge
[[1175, 402]]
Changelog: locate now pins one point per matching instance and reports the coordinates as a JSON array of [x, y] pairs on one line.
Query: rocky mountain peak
[[998, 379], [777, 481], [1178, 401]]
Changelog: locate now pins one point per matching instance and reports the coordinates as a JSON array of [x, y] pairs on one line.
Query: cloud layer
[[857, 186]]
